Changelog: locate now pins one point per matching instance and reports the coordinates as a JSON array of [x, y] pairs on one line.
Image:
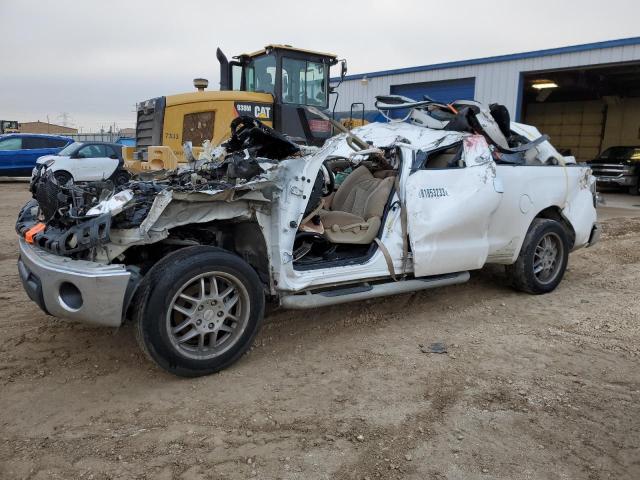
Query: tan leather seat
[[357, 208]]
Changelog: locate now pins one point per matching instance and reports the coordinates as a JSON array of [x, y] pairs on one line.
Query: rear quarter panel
[[528, 190]]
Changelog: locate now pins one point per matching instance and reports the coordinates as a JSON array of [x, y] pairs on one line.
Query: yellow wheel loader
[[275, 85]]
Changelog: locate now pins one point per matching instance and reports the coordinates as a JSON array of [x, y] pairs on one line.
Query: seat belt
[[405, 243], [403, 227], [314, 212], [387, 258]]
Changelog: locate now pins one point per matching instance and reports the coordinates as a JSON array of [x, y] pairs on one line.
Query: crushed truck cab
[[192, 255]]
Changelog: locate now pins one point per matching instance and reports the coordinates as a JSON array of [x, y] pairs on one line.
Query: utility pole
[[65, 119]]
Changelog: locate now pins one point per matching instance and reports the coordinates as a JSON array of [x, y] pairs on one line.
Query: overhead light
[[364, 80], [544, 85]]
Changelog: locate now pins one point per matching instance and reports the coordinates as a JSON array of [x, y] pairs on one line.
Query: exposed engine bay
[[79, 217]]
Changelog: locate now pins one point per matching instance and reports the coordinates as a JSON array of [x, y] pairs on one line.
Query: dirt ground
[[532, 387]]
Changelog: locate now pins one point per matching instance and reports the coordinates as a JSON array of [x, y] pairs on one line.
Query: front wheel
[[201, 310], [62, 177], [120, 177], [635, 189], [543, 258]]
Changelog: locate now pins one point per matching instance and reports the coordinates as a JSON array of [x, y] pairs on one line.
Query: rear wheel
[[200, 312], [543, 257]]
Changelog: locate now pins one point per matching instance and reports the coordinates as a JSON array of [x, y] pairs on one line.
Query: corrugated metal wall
[[495, 82]]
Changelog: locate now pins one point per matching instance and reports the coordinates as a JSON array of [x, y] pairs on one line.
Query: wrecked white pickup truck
[[191, 256]]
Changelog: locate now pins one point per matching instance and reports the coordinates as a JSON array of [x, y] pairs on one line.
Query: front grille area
[[608, 169], [150, 117]]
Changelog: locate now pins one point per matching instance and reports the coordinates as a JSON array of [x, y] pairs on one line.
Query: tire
[[635, 189], [537, 254], [62, 177], [162, 327], [120, 177]]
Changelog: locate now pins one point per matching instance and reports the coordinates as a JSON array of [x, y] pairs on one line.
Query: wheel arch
[[242, 237], [245, 238], [555, 213]]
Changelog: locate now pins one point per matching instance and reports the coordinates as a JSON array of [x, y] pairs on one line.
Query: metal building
[[586, 97]]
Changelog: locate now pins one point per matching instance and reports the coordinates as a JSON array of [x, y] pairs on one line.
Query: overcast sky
[[96, 59]]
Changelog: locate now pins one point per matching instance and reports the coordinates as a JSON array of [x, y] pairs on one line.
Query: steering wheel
[[330, 179]]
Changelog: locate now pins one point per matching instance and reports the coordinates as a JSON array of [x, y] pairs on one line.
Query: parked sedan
[[19, 151], [85, 162]]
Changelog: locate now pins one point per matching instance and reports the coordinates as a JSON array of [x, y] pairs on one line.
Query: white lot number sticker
[[433, 192]]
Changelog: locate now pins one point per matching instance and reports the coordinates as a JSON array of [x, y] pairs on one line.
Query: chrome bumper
[[76, 289]]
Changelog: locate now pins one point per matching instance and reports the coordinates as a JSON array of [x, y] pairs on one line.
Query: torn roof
[[388, 134]]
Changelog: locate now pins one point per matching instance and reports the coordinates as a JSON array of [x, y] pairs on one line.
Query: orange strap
[[33, 231]]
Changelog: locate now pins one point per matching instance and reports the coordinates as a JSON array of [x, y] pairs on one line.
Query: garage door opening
[[445, 91], [585, 110]]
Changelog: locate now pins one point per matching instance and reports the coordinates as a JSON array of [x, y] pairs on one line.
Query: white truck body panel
[[449, 211], [483, 219]]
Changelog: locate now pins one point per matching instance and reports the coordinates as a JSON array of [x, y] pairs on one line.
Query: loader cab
[[275, 85], [295, 78]]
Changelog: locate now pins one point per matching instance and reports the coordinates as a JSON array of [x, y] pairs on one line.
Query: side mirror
[[343, 69]]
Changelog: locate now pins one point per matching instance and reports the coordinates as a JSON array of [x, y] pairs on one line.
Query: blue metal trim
[[440, 90], [499, 58], [519, 97]]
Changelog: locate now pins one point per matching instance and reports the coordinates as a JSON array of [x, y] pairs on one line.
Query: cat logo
[[262, 112], [257, 110]]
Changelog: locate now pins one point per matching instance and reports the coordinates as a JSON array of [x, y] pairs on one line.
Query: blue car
[[19, 151]]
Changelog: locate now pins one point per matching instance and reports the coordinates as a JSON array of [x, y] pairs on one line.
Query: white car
[[192, 256], [84, 162]]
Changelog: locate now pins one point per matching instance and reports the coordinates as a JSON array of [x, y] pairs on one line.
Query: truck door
[[450, 195]]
